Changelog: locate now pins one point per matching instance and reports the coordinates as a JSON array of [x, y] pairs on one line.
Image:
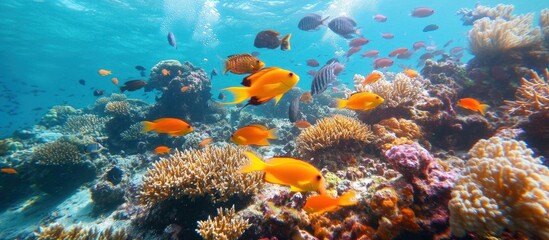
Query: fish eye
[[257, 61], [318, 177], [189, 126], [377, 97], [291, 74]]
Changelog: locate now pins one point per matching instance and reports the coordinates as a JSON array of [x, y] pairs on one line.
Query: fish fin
[[482, 108], [323, 20], [296, 189], [148, 126], [258, 126], [272, 179], [272, 134], [278, 97], [287, 39], [263, 142], [122, 89], [341, 103], [247, 81], [348, 199], [256, 164], [240, 94]]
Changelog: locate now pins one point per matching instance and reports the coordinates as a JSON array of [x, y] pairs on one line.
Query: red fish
[[311, 72], [422, 12], [353, 50], [456, 50], [370, 53], [312, 63], [9, 170], [473, 105], [405, 55], [398, 51], [380, 18], [387, 35], [419, 44], [357, 42], [383, 63]]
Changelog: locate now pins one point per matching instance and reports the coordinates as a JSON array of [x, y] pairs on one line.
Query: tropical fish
[[302, 124], [184, 88], [213, 73], [293, 110], [430, 27], [9, 170], [171, 126], [456, 50], [221, 96], [324, 76], [411, 73], [311, 22], [285, 42], [352, 51], [312, 72], [380, 18], [205, 142], [448, 43], [324, 203], [387, 35], [165, 72], [419, 44], [344, 26], [94, 148], [264, 85], [254, 134], [171, 40], [398, 51], [299, 175], [114, 81], [255, 53], [405, 55], [82, 82], [422, 12], [133, 85], [98, 92], [383, 63], [370, 53], [312, 63], [140, 68], [306, 97], [161, 150], [360, 101], [357, 42], [104, 72], [372, 77], [242, 64], [269, 39], [473, 105]]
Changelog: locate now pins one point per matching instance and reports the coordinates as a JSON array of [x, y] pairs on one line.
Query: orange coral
[[402, 128], [407, 220], [384, 202]]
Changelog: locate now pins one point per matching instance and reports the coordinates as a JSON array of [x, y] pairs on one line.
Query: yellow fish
[[263, 86], [299, 175], [360, 101], [411, 73], [254, 134], [324, 203], [242, 64], [104, 72]]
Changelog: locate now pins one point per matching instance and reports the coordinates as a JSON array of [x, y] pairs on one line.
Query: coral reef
[[531, 96], [117, 108], [544, 24], [57, 153], [469, 16], [401, 91], [87, 124], [503, 188], [57, 115], [226, 225], [332, 138], [58, 232], [536, 131], [106, 195]]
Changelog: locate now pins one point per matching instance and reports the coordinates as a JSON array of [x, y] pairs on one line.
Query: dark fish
[[343, 26], [430, 27], [293, 110], [98, 92], [221, 96], [171, 40], [114, 175], [82, 82], [323, 77], [133, 85], [267, 39], [213, 73], [311, 22], [37, 109], [426, 56], [140, 68], [331, 60], [142, 73]]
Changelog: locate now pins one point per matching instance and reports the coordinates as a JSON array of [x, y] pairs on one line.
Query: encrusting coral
[[503, 188], [531, 96], [227, 225], [57, 153], [209, 172], [58, 232]]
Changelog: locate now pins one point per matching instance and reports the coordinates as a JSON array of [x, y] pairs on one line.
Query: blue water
[[50, 45]]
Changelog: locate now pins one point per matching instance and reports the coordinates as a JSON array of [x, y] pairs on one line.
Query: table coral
[[227, 225], [503, 188]]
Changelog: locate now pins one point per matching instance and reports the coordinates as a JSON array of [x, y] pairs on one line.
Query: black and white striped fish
[[326, 75], [344, 27], [311, 22]]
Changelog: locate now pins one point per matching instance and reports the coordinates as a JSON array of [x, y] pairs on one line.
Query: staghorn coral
[[490, 38], [209, 172], [503, 188], [227, 225], [401, 91], [531, 96], [469, 16], [333, 135], [86, 124], [57, 153], [58, 232], [117, 108]]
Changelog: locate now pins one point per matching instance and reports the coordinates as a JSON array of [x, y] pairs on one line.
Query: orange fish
[[172, 126], [372, 78], [104, 72], [302, 124], [473, 105], [114, 81], [324, 203], [360, 101], [9, 170], [299, 175], [254, 134], [165, 72], [205, 142], [161, 150], [306, 97], [185, 88], [242, 64], [411, 73]]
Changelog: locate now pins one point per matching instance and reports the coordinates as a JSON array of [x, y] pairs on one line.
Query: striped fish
[[311, 22], [242, 64], [343, 26], [323, 77]]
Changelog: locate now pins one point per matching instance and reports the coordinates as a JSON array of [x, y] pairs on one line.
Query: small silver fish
[[94, 148], [171, 40]]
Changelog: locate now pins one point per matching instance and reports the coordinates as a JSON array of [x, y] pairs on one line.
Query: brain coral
[[211, 171], [226, 225], [57, 153], [503, 188]]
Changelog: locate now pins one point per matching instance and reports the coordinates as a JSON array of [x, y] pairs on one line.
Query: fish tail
[[324, 20], [148, 126], [272, 134], [122, 89], [240, 94], [341, 103], [348, 199], [482, 108], [256, 164], [226, 67]]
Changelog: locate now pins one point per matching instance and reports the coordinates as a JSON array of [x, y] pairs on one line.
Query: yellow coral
[[504, 187], [531, 96], [58, 232], [117, 108], [491, 37], [211, 171], [333, 133], [57, 153], [227, 225], [402, 90]]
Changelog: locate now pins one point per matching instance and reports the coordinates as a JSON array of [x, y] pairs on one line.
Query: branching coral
[[337, 132], [489, 38], [503, 188], [401, 91], [531, 96], [86, 124], [117, 108], [57, 153], [209, 172], [58, 232], [227, 225], [469, 16]]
